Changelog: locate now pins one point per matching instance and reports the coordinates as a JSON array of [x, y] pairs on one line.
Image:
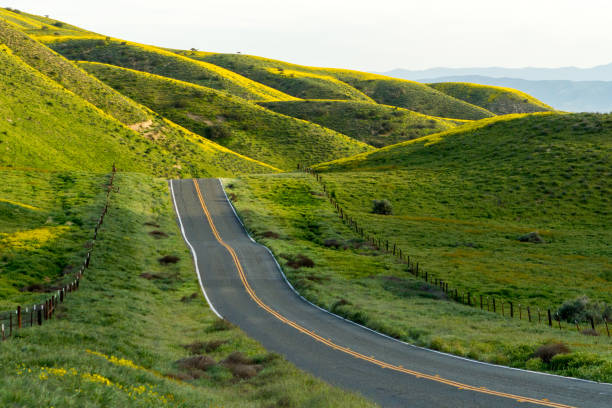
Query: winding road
[[243, 283]]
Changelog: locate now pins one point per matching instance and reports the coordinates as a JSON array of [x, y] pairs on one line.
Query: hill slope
[[161, 62], [500, 101], [462, 198], [375, 124], [384, 90], [246, 128], [49, 127]]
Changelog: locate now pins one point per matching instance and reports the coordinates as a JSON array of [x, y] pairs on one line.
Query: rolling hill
[[501, 101], [375, 124], [246, 128], [383, 90], [161, 62]]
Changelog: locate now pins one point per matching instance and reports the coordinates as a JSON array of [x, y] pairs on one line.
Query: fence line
[[471, 298], [39, 313]]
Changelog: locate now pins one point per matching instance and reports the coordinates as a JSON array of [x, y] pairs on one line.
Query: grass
[[297, 80], [69, 76], [377, 125], [122, 339], [498, 100], [461, 199], [231, 121], [49, 127], [161, 62], [288, 78], [289, 214], [46, 220]]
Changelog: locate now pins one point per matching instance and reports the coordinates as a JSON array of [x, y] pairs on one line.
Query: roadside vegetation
[[377, 125], [138, 333], [334, 268], [231, 121]]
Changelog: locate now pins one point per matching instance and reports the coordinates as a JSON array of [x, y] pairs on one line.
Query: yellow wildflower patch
[[17, 203], [30, 239]]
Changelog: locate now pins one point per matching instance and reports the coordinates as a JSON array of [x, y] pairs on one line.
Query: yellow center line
[[346, 350]]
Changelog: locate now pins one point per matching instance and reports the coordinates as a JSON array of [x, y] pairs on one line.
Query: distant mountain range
[[569, 89], [599, 73]]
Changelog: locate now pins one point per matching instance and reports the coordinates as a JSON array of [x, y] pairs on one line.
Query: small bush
[[298, 261], [168, 259], [217, 131], [270, 234], [582, 309], [220, 325], [58, 24], [547, 351], [382, 207], [332, 243], [158, 234]]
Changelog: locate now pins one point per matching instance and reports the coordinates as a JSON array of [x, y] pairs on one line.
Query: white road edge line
[[193, 252], [382, 334]]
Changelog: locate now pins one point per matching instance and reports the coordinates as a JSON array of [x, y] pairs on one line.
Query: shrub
[[58, 24], [382, 207], [332, 243], [217, 131], [298, 261], [547, 351], [168, 259], [582, 309]]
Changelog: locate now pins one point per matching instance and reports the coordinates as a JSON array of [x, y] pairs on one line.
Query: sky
[[370, 35]]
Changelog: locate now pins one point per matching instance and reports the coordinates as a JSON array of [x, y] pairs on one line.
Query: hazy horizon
[[354, 34]]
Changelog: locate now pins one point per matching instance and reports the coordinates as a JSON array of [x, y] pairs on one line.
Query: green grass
[[241, 126], [49, 127], [288, 78], [161, 62], [353, 279], [461, 199], [46, 219], [498, 100], [377, 125], [384, 90], [115, 341], [69, 76]]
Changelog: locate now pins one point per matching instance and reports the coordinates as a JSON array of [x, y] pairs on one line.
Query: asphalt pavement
[[243, 283]]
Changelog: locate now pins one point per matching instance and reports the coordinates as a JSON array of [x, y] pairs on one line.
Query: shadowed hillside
[[385, 90], [377, 125], [246, 128]]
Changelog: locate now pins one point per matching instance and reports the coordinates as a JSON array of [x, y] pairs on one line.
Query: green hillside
[[288, 78], [498, 100], [246, 128], [462, 198], [384, 90], [160, 62], [69, 76], [49, 127], [377, 125]]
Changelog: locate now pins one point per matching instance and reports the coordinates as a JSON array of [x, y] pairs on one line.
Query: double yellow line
[[329, 343]]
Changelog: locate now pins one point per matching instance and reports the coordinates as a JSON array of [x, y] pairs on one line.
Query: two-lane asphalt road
[[243, 283]]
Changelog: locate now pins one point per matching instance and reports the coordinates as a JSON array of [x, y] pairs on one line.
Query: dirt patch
[[141, 126], [168, 259], [197, 118], [195, 367], [298, 261], [158, 234]]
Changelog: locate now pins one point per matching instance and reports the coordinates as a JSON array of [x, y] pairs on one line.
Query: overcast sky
[[368, 35]]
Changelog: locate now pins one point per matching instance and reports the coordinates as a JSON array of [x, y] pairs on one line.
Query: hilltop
[[375, 124], [498, 100], [243, 127], [292, 78]]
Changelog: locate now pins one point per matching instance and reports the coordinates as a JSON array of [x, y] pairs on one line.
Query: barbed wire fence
[[39, 313], [510, 309]]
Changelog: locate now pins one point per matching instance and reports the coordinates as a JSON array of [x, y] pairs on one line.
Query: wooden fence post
[[40, 316], [511, 309], [549, 318], [481, 308], [528, 313], [494, 311], [19, 317], [605, 319]]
